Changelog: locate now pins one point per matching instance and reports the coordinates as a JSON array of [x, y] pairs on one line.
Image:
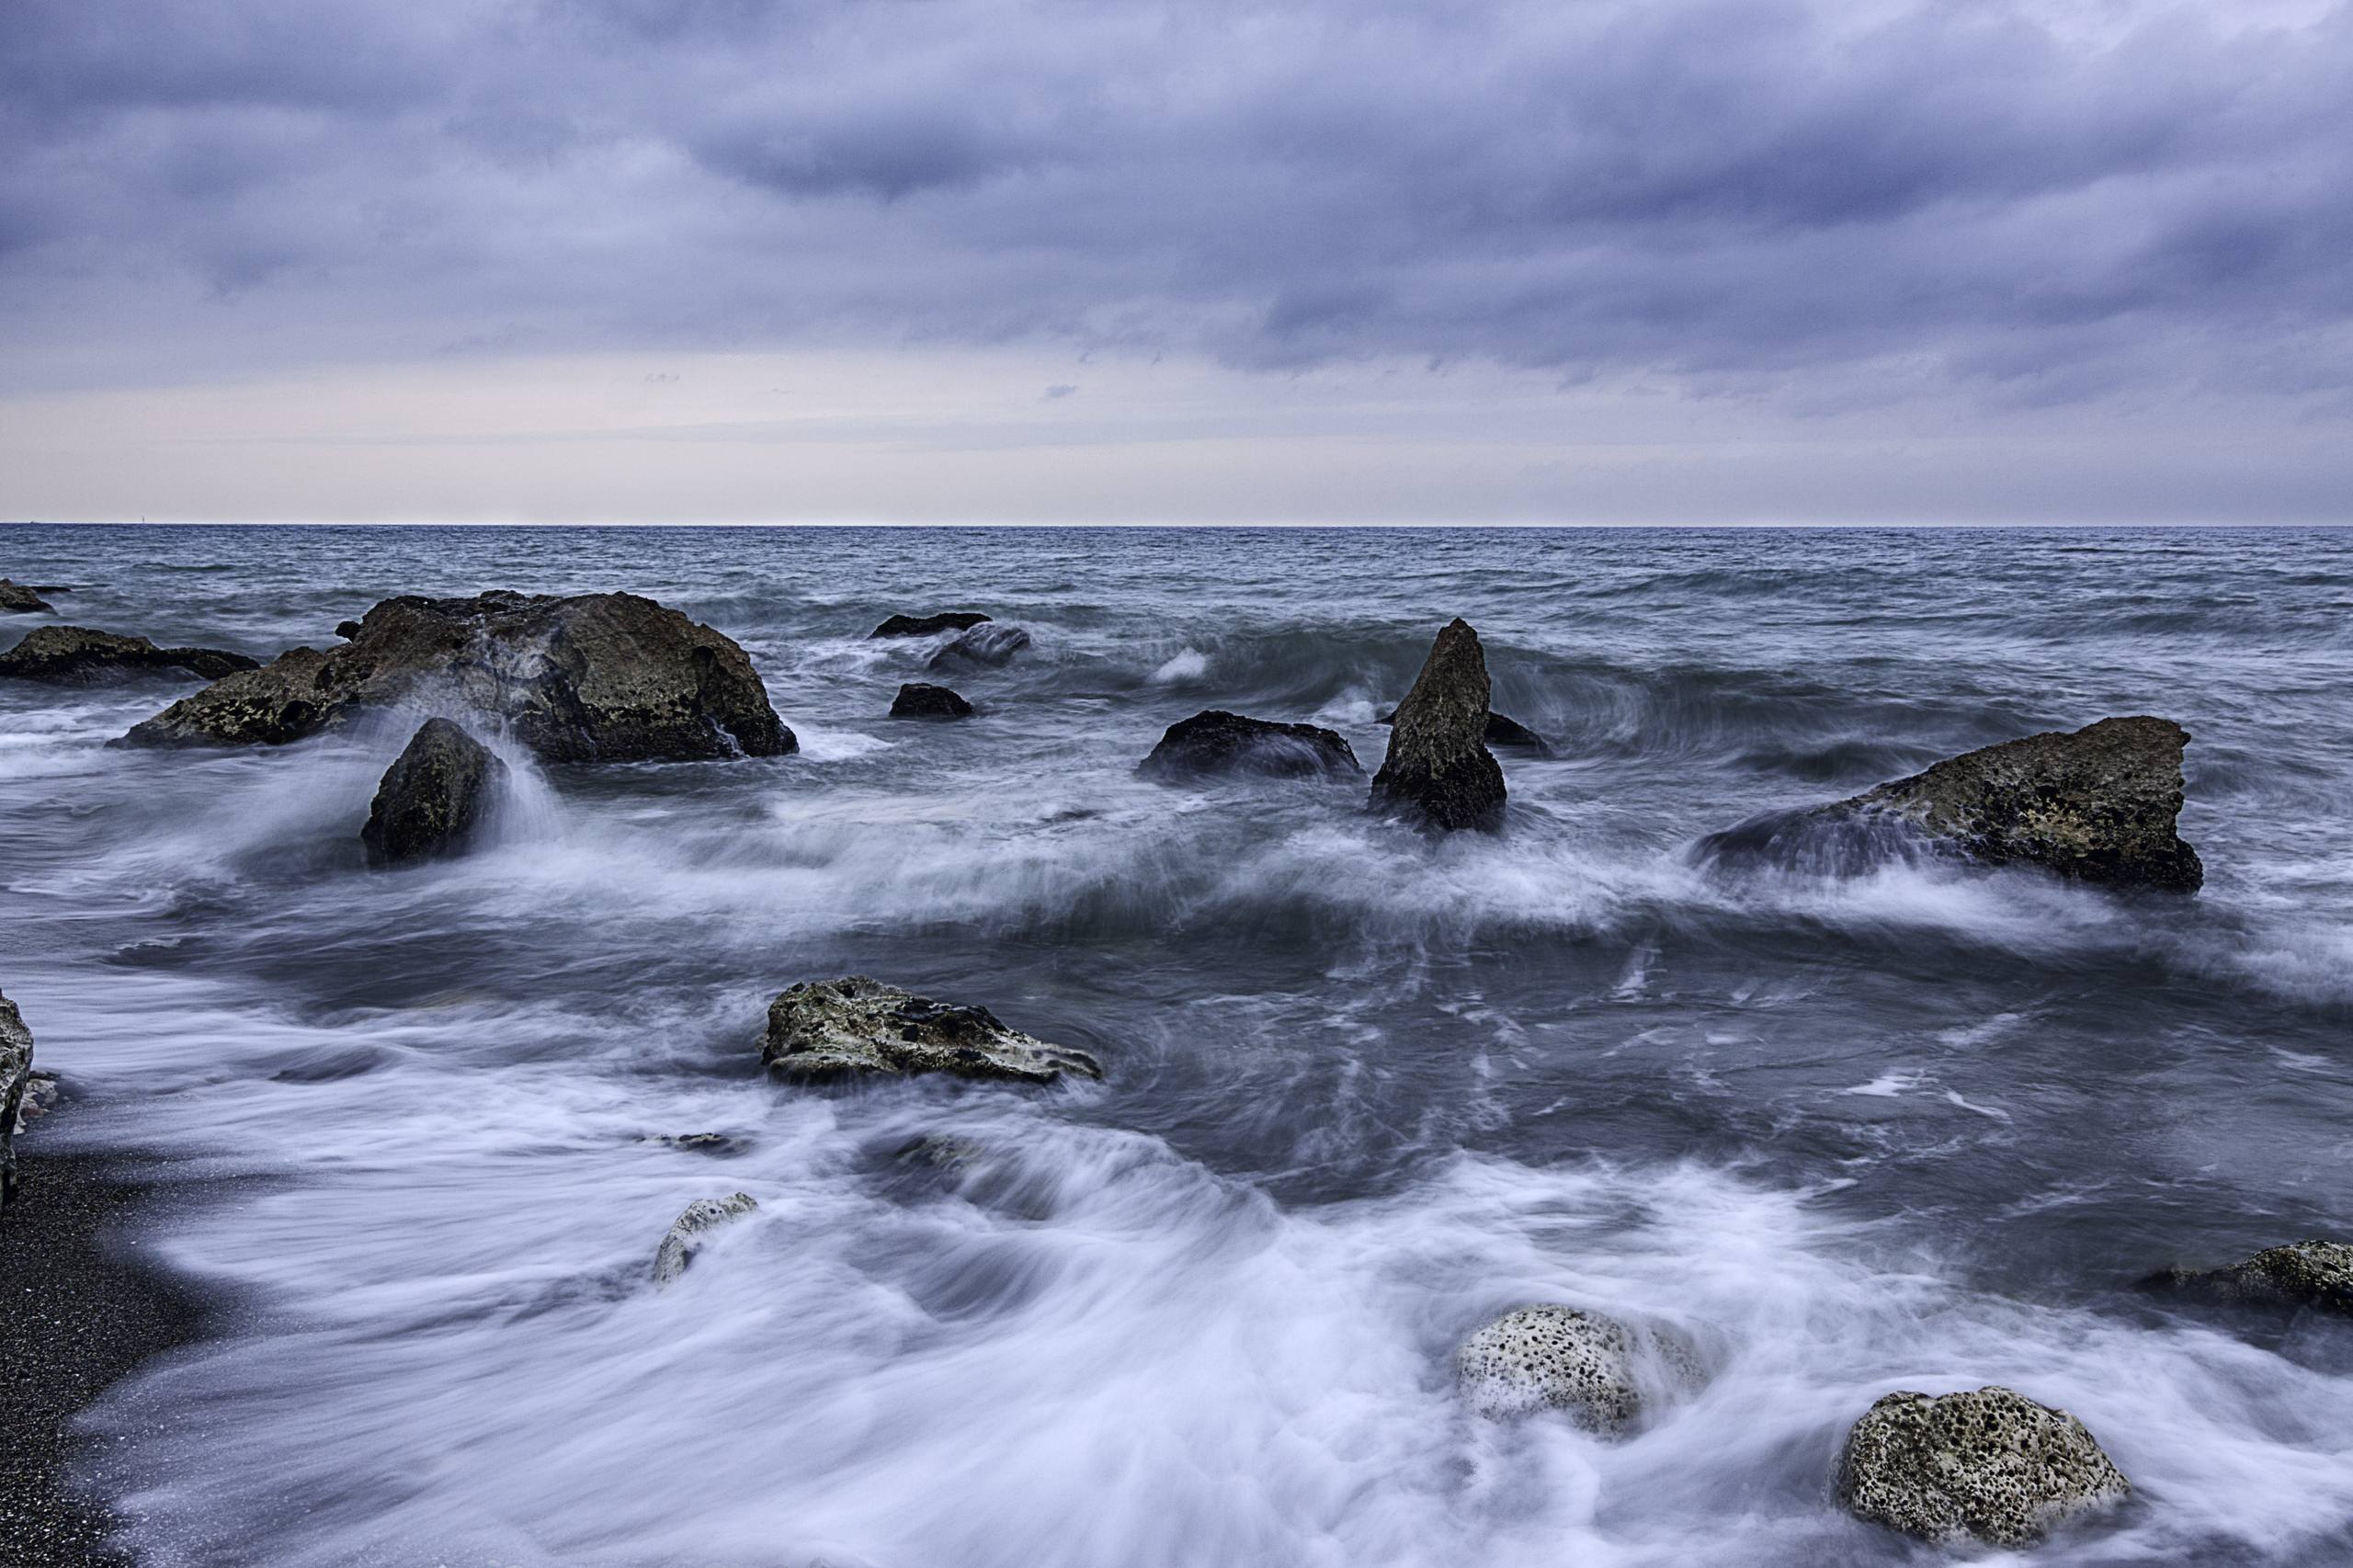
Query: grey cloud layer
[[2031, 202]]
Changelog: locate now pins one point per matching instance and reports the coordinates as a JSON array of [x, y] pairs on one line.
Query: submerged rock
[[2317, 1274], [1605, 1374], [15, 1074], [1990, 1466], [855, 1026], [1219, 742], [1437, 770], [1501, 730], [19, 599], [692, 1228], [433, 798], [596, 677], [983, 646], [76, 654], [916, 700], [927, 625]]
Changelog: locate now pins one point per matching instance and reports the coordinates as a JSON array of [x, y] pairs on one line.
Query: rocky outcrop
[[69, 655], [1990, 1466], [1218, 742], [1437, 772], [432, 799], [1508, 732], [855, 1027], [15, 1072], [597, 678], [927, 625], [18, 598], [692, 1228], [982, 647], [2316, 1274], [1606, 1375], [916, 700]]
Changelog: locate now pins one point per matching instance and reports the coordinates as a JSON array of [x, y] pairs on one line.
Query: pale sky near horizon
[[1095, 261]]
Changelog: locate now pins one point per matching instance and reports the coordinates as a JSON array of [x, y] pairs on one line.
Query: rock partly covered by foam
[[595, 677], [1437, 771], [692, 1228], [2097, 805], [76, 654], [982, 647], [1502, 731], [432, 799], [916, 700], [1219, 742], [16, 1074], [19, 599], [1605, 1374], [927, 625], [1990, 1466], [855, 1026], [2301, 1274]]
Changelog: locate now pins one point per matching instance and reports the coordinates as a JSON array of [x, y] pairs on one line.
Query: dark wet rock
[[16, 1077], [347, 629], [722, 1145], [433, 798], [1606, 1375], [927, 625], [1501, 732], [981, 647], [1437, 771], [916, 700], [1990, 1466], [2317, 1274], [596, 677], [69, 655], [693, 1228], [1219, 742], [19, 599], [855, 1026]]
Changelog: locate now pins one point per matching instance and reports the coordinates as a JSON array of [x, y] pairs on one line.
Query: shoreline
[[81, 1307]]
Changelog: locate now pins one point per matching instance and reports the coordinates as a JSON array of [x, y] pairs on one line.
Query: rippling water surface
[[1917, 1130]]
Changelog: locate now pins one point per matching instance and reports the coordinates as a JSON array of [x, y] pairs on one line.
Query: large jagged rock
[[692, 1228], [431, 801], [916, 700], [596, 677], [984, 646], [19, 599], [1990, 1466], [1603, 1373], [1502, 731], [68, 655], [855, 1026], [2317, 1274], [1219, 742], [927, 625], [1437, 771], [15, 1072]]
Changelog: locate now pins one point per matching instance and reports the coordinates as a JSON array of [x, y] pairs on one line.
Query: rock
[[2315, 1274], [1437, 770], [16, 598], [1501, 732], [840, 1028], [1604, 1373], [1990, 1466], [991, 645], [15, 1072], [1219, 742], [927, 625], [75, 654], [433, 798], [916, 700], [347, 629], [724, 1145], [597, 678], [692, 1228]]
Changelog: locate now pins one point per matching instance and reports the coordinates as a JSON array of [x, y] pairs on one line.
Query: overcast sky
[[1582, 260]]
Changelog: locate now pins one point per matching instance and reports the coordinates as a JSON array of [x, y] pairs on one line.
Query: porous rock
[[692, 1228], [595, 677], [984, 646], [916, 700], [1989, 1465], [15, 1074], [76, 655], [2316, 1274], [1605, 1374], [855, 1027], [432, 799], [19, 599], [1502, 731], [1437, 771], [1219, 742], [927, 625]]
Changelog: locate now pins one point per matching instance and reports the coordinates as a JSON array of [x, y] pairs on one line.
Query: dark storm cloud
[[2041, 202]]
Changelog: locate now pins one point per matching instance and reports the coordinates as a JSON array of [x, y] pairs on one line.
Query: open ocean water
[[1918, 1129]]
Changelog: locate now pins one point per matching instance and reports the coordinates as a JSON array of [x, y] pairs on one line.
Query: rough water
[[1921, 1128]]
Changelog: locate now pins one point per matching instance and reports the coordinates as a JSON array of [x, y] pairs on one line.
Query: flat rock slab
[[927, 625], [72, 655], [1218, 743], [1437, 772], [916, 700], [19, 599], [2316, 1274], [855, 1027], [1989, 1466], [432, 800]]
